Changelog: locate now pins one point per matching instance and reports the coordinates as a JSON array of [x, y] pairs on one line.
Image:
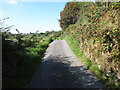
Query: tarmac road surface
[[61, 69]]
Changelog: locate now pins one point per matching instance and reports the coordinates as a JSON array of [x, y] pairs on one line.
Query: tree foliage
[[98, 36], [69, 15]]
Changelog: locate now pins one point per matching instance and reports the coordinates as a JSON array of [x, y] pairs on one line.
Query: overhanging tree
[[69, 15]]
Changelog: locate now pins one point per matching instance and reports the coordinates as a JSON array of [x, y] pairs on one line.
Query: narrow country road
[[61, 69]]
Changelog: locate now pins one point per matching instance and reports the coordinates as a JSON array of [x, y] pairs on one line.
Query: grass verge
[[103, 76]]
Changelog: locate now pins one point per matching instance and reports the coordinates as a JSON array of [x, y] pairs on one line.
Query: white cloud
[[12, 2], [16, 1]]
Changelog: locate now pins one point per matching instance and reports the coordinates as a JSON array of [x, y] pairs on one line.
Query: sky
[[30, 16]]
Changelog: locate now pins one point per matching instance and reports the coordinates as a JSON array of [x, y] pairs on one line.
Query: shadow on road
[[58, 72]]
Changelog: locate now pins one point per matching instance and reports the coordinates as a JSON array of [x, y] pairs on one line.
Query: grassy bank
[[21, 64], [21, 55], [95, 39], [106, 78]]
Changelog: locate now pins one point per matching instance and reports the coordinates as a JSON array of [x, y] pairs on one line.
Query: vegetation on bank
[[21, 55], [106, 78], [92, 33], [95, 39], [19, 65]]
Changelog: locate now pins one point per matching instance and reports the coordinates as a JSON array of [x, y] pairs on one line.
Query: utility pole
[[107, 4]]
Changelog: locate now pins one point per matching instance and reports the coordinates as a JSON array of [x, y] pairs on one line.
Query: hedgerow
[[98, 36]]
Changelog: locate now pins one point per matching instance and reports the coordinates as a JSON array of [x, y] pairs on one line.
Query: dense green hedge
[[98, 36]]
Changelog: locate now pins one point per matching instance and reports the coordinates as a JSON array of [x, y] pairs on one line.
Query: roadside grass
[[59, 38], [19, 73], [73, 45], [103, 76]]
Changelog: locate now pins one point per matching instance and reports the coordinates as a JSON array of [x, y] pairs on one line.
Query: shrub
[[69, 15]]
